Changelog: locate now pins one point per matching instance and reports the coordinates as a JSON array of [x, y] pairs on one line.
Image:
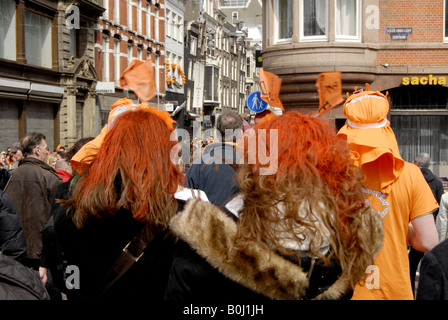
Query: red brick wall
[[425, 17]]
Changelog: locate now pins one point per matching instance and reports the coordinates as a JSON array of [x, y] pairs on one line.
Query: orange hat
[[370, 136]]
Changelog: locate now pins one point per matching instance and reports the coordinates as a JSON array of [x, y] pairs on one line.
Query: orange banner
[[329, 87], [270, 88], [140, 77]]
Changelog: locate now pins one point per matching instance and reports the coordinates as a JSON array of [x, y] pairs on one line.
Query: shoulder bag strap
[[131, 254]]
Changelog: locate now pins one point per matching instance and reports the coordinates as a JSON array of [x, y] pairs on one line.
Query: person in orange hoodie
[[396, 189]]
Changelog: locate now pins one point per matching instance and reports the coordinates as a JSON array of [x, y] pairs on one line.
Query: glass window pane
[[446, 18], [346, 18], [216, 84], [208, 92], [285, 19], [8, 29], [315, 17], [37, 39]]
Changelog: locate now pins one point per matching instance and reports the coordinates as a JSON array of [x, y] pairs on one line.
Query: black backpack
[[18, 282]]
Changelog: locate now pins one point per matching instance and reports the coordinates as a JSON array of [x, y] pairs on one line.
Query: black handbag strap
[[131, 254]]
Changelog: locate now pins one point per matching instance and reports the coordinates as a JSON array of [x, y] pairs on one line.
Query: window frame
[[277, 39], [347, 38], [304, 38], [445, 21]]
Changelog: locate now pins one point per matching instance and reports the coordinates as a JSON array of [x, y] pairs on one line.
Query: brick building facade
[[128, 30]]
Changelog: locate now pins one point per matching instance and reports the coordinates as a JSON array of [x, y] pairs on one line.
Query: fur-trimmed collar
[[211, 232]]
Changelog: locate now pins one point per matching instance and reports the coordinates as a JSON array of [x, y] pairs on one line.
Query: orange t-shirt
[[410, 197]]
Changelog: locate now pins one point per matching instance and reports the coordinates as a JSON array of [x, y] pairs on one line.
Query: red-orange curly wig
[[314, 176], [132, 170]]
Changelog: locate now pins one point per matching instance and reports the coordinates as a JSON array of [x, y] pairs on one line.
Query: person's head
[[132, 170], [2, 157], [370, 137], [51, 159], [229, 120], [63, 164], [423, 160], [315, 184], [34, 145], [16, 152], [76, 147]]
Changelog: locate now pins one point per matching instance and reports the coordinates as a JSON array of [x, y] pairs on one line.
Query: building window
[[8, 29], [180, 29], [347, 19], [140, 53], [211, 92], [315, 19], [148, 19], [193, 45], [106, 12], [139, 16], [283, 14], [446, 21], [168, 23], [129, 9], [129, 53], [117, 11], [105, 57], [116, 60], [156, 24], [37, 39]]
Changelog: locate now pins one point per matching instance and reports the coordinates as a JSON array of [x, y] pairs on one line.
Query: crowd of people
[[334, 220]]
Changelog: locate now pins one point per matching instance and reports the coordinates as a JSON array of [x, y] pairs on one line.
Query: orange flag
[[329, 87], [140, 77], [270, 88]]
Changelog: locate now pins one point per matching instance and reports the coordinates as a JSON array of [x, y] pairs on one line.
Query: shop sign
[[398, 30], [105, 87], [425, 80]]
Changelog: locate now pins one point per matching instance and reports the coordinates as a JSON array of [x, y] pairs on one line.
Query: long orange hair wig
[[132, 170], [314, 176]]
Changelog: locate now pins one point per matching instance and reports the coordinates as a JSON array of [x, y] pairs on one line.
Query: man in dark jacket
[[423, 160], [433, 283], [30, 189], [214, 172]]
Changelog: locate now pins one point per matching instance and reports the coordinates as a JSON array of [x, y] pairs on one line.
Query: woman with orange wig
[[128, 186], [301, 231]]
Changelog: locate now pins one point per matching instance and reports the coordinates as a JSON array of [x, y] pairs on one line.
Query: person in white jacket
[[442, 218]]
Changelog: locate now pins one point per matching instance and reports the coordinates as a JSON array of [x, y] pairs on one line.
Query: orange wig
[[314, 177], [132, 170]]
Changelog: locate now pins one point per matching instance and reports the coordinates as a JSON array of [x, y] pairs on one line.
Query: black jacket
[[207, 265], [433, 282], [435, 184], [12, 240], [18, 282], [213, 173], [94, 248]]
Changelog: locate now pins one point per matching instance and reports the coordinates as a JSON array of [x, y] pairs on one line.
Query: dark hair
[[76, 147], [228, 120], [31, 141]]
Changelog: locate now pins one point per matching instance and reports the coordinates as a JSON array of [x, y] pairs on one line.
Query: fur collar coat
[[210, 232]]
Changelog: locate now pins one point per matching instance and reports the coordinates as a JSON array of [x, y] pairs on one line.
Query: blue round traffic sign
[[255, 103]]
